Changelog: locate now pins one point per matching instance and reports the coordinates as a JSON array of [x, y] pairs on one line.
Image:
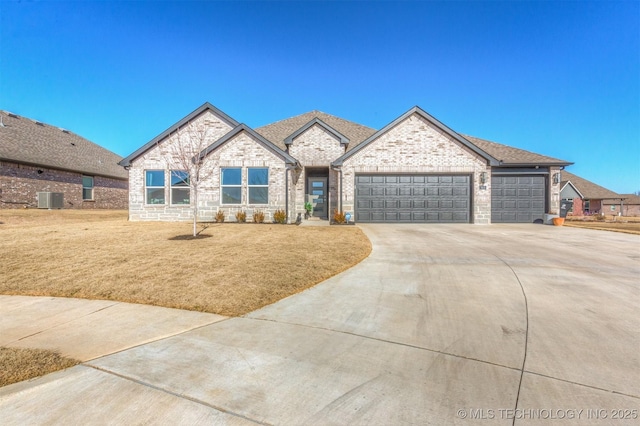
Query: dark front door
[[318, 196]]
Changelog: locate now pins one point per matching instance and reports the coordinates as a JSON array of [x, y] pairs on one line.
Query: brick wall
[[20, 183], [414, 146], [315, 148], [240, 151]]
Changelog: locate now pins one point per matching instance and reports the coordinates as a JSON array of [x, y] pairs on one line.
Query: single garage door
[[517, 199], [413, 198]]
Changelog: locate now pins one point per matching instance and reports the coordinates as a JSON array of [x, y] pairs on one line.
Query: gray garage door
[[517, 199], [413, 198]]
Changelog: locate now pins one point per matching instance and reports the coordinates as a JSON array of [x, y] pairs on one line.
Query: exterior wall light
[[483, 178], [556, 178]]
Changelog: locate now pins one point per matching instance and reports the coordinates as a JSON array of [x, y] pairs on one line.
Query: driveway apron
[[439, 325]]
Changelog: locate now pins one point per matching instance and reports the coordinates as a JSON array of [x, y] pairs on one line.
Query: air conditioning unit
[[50, 200]]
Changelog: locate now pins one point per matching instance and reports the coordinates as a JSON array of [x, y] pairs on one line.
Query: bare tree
[[188, 168]]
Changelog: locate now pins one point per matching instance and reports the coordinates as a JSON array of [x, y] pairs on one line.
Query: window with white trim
[[258, 184], [87, 188], [231, 185], [154, 186], [180, 189]]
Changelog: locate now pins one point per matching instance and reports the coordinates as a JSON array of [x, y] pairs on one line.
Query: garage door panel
[[413, 198], [517, 199]]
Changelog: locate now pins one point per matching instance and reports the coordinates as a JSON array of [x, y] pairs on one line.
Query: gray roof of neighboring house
[[510, 156], [27, 141], [628, 199], [277, 132], [589, 190]]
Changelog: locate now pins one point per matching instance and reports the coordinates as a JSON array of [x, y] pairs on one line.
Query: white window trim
[[171, 187], [93, 184], [231, 186], [146, 201], [257, 186]]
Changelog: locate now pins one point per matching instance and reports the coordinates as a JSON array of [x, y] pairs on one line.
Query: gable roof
[[277, 132], [419, 111], [589, 190], [27, 141], [343, 139], [509, 156], [264, 142], [153, 142], [563, 185]]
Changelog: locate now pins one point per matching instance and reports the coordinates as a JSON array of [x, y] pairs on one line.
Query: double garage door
[[413, 198], [517, 199]]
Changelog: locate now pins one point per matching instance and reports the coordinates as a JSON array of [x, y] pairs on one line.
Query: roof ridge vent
[[63, 130], [40, 123], [11, 114]]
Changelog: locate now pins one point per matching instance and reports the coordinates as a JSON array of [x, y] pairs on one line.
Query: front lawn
[[233, 269]]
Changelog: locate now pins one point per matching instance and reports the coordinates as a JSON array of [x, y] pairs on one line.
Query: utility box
[[50, 200]]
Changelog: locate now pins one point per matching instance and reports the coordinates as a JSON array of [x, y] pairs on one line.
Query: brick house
[[626, 205], [39, 158], [587, 197], [415, 169]]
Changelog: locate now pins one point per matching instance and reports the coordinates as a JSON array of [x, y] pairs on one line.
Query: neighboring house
[[415, 169], [39, 158], [587, 197], [626, 205]]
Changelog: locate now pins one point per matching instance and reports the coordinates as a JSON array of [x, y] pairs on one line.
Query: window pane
[[179, 178], [155, 178], [180, 195], [259, 176], [87, 194], [87, 181], [258, 195], [317, 184], [155, 195], [318, 192], [232, 176], [231, 195]]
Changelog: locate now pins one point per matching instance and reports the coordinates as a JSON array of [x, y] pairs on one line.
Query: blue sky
[[558, 78]]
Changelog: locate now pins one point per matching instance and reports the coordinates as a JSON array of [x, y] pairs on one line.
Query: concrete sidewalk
[[440, 325], [87, 329]]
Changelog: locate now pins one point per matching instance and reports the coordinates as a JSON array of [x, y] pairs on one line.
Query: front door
[[318, 196]]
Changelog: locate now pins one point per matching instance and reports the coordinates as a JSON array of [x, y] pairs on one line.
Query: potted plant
[[308, 209]]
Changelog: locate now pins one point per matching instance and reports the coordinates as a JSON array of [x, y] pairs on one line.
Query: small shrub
[[258, 217], [339, 217], [280, 216], [241, 217], [220, 216], [599, 217]]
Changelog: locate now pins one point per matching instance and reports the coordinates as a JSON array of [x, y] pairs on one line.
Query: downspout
[[339, 170], [286, 191]]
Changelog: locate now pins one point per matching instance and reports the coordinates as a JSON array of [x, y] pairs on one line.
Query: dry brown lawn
[[20, 364], [231, 270], [626, 225]]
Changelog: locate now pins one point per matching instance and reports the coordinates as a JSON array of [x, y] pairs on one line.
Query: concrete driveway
[[442, 324]]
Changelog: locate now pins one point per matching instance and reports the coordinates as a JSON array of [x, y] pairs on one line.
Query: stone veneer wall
[[315, 148], [415, 146], [19, 185]]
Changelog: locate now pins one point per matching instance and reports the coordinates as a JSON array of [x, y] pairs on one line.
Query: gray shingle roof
[[278, 131], [357, 133], [589, 190], [27, 141], [514, 156], [629, 199]]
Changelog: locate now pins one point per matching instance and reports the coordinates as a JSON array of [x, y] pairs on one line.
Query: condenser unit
[[50, 200]]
